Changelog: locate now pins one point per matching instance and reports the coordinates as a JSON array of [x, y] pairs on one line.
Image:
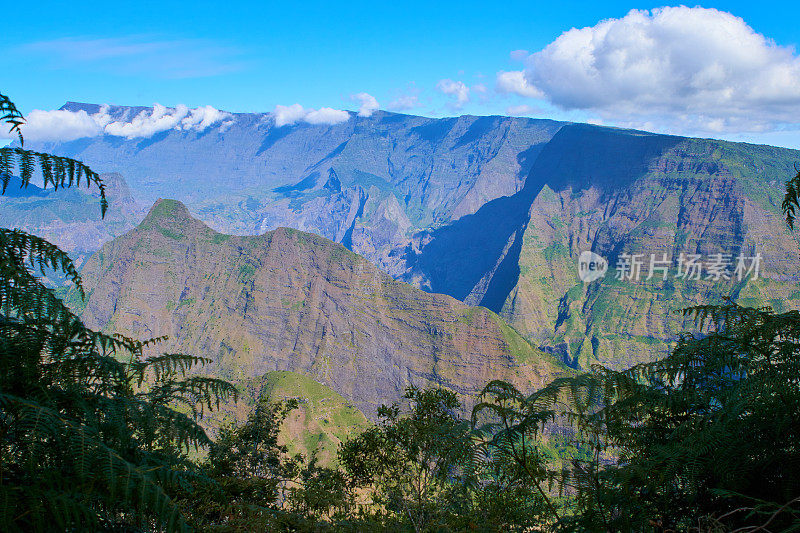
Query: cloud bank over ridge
[[66, 125], [287, 115]]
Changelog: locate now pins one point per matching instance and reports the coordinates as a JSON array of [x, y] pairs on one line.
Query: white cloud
[[161, 118], [456, 89], [64, 125], [201, 118], [689, 69], [146, 124], [515, 82], [59, 125], [327, 115], [368, 104], [287, 115], [404, 103]]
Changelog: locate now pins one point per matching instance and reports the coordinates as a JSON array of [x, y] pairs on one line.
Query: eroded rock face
[[288, 300], [616, 192], [493, 211], [387, 175]]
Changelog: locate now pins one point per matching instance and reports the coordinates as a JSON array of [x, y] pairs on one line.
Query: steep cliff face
[[294, 301], [494, 211], [617, 192], [392, 174]]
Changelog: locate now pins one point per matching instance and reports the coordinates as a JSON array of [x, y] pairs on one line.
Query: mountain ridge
[[493, 211], [294, 301]]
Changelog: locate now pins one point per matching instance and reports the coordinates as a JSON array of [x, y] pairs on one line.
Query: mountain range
[[492, 211]]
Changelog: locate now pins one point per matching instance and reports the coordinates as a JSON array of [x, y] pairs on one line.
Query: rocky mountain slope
[[494, 211], [293, 301], [619, 192], [369, 182]]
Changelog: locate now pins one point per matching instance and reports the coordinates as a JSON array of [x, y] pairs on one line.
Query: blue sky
[[429, 58]]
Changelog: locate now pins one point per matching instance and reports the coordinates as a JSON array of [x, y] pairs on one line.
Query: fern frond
[[194, 391], [40, 253], [55, 170], [11, 115], [166, 365], [99, 469], [791, 200]]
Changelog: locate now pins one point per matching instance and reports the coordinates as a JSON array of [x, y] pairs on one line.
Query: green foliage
[[423, 469], [512, 427], [321, 493], [252, 450], [90, 437], [247, 271], [410, 460], [219, 238], [252, 484], [729, 393], [54, 170], [707, 435], [11, 115], [170, 234], [791, 201], [246, 475]]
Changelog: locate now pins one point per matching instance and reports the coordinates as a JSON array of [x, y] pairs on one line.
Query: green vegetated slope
[[323, 419], [292, 301], [669, 196]]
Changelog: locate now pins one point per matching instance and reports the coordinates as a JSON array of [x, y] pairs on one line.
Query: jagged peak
[[172, 219]]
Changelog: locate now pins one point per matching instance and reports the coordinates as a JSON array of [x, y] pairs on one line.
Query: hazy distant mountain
[[491, 210], [71, 218], [293, 301]]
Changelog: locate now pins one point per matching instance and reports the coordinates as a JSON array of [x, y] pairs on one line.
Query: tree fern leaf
[[791, 200], [12, 116], [56, 171]]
